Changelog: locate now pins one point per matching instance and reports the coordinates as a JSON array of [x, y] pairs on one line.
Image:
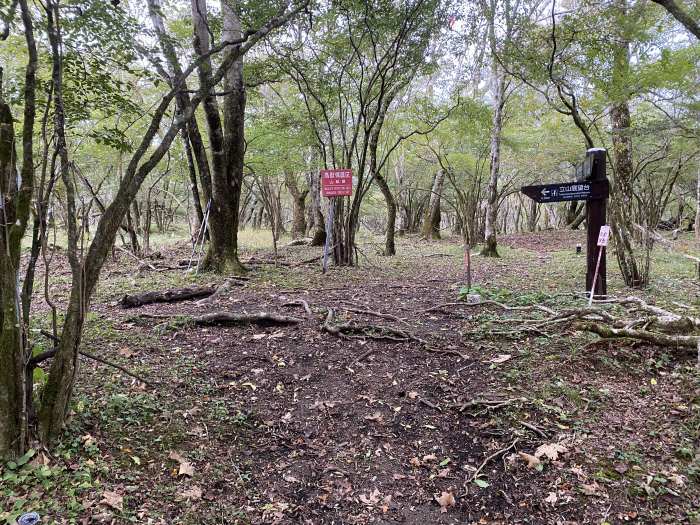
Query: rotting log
[[232, 319], [167, 296]]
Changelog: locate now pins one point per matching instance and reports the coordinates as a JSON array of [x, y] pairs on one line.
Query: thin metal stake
[[595, 274]]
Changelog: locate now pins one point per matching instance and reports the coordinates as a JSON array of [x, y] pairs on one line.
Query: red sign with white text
[[336, 183]]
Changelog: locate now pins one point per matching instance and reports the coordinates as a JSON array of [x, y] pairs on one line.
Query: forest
[[349, 262]]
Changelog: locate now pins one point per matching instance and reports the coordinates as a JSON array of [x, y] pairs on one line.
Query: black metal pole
[[595, 218]]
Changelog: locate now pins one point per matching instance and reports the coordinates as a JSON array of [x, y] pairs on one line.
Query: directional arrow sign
[[568, 191]]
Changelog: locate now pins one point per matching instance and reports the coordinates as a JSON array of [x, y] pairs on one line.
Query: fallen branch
[[488, 404], [34, 361], [230, 319], [493, 456], [537, 430], [300, 302], [167, 296]]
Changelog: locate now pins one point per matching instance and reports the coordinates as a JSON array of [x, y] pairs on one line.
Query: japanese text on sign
[[604, 235]]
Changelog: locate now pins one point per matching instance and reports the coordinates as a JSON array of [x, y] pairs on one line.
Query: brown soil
[[294, 425]]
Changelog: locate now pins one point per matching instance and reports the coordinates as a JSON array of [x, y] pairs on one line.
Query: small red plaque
[[336, 183]]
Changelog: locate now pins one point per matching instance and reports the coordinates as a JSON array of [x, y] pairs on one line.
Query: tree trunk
[[319, 228], [389, 244], [13, 412], [227, 143], [574, 214], [633, 264], [194, 187], [697, 209], [490, 243], [431, 224], [298, 205]]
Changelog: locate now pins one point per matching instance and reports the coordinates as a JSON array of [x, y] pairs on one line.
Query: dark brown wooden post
[[595, 218]]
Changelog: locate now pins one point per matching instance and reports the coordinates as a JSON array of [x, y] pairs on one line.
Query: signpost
[[334, 183], [592, 186], [568, 191]]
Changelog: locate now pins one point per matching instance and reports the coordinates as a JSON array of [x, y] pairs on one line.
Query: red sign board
[[336, 183]]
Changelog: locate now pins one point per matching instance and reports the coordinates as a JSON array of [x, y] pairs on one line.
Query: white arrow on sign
[[545, 193]]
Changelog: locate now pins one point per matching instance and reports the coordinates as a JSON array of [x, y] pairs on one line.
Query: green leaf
[[27, 456], [481, 483]]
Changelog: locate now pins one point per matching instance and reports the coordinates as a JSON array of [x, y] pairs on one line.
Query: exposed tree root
[[302, 303], [660, 339], [369, 331], [639, 320], [223, 289]]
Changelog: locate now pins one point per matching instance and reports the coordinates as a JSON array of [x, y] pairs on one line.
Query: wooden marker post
[[592, 186], [595, 219]]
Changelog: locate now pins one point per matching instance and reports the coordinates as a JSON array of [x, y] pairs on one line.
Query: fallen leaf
[[175, 456], [323, 405], [376, 417], [289, 478], [551, 450], [429, 457], [415, 462], [443, 473], [552, 498], [501, 358], [113, 500], [445, 500], [372, 498], [186, 469], [412, 395], [532, 461], [579, 472], [620, 468], [125, 352], [590, 489], [259, 336], [194, 493]]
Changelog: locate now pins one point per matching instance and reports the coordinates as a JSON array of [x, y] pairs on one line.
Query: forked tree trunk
[[227, 143], [431, 223], [490, 243]]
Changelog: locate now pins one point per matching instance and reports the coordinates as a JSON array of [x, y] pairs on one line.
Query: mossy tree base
[[490, 248]]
